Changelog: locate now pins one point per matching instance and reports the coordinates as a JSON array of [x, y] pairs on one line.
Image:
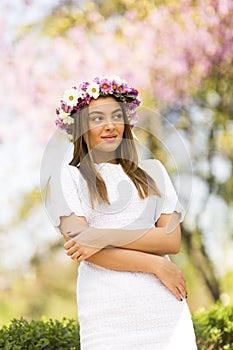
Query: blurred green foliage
[[49, 291], [29, 201], [214, 328], [46, 335]]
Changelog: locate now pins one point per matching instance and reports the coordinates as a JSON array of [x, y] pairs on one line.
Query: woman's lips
[[109, 137]]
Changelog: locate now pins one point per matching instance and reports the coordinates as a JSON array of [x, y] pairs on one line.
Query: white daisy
[[93, 90], [82, 94], [71, 96], [68, 120], [63, 114], [70, 138], [115, 78], [65, 117]]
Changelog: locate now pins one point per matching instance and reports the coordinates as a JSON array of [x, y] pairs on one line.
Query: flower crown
[[77, 97]]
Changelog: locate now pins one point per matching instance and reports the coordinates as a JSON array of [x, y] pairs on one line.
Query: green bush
[[49, 335], [214, 328]]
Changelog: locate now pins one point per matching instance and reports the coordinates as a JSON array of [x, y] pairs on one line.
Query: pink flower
[[84, 86], [106, 87], [122, 89]]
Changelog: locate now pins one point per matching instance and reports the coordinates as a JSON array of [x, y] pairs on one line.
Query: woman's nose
[[109, 124]]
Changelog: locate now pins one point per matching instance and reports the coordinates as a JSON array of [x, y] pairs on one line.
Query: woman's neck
[[104, 157]]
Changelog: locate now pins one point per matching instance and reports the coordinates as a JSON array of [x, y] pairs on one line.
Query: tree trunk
[[200, 259]]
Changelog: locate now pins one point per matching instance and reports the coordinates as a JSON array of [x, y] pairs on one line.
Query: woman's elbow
[[175, 249], [175, 243]]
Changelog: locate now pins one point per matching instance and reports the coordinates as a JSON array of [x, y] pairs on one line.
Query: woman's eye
[[96, 118], [118, 116]]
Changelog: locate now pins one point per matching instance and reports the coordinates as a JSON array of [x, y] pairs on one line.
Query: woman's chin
[[108, 146]]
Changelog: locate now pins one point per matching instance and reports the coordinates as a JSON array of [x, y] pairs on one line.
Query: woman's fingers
[[172, 278], [180, 287], [69, 244], [182, 290], [75, 249], [76, 256], [176, 292], [72, 245], [77, 252], [80, 258]]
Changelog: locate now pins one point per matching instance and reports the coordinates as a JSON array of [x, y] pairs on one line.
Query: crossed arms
[[143, 254]]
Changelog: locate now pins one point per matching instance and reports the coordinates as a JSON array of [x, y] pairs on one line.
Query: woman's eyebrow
[[96, 112], [117, 110], [99, 112]]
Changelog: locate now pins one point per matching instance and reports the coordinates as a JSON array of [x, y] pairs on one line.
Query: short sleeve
[[168, 202], [70, 182], [62, 197]]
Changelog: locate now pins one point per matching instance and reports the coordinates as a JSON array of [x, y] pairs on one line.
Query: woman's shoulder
[[151, 165], [157, 171], [70, 172]]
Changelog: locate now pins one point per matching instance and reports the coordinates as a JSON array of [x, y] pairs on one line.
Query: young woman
[[123, 218]]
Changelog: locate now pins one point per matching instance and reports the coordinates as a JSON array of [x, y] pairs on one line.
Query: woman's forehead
[[104, 104]]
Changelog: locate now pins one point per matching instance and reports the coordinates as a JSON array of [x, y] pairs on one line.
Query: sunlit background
[[179, 54]]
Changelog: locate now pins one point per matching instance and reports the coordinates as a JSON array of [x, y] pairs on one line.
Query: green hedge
[[214, 331], [214, 328], [31, 335]]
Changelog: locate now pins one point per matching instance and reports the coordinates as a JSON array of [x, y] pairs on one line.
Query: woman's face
[[106, 125]]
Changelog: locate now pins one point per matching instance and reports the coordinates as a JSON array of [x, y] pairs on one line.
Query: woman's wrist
[[157, 264]]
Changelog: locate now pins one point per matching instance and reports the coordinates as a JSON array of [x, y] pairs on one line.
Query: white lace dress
[[117, 309]]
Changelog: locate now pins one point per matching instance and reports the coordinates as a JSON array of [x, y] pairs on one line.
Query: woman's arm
[[134, 261], [127, 259], [163, 239]]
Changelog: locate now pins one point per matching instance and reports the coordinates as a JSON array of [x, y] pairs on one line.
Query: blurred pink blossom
[[165, 55]]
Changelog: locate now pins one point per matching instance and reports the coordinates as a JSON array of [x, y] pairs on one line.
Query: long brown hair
[[126, 155]]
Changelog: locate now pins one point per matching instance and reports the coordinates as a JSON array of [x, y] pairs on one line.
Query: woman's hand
[[72, 223], [169, 274], [77, 251]]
